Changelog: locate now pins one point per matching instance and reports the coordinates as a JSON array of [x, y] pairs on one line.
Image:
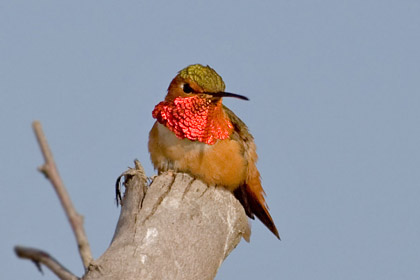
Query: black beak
[[227, 94]]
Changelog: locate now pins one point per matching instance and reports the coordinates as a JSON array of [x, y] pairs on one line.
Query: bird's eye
[[187, 88]]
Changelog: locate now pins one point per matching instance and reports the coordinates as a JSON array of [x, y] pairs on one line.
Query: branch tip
[[39, 257], [49, 169]]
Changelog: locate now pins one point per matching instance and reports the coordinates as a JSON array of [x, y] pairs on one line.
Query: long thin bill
[[227, 94]]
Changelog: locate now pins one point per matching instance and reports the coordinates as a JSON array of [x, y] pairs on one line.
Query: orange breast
[[221, 164]]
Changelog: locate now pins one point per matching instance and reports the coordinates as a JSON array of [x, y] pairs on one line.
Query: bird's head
[[201, 81]]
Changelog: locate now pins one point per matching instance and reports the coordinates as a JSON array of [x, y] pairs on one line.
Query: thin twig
[[76, 220], [40, 257]]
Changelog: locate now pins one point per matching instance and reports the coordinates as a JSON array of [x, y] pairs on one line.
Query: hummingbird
[[196, 134]]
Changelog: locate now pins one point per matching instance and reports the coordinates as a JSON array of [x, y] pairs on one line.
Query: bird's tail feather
[[252, 199]]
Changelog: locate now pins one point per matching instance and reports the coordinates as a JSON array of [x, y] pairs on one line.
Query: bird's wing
[[250, 194]]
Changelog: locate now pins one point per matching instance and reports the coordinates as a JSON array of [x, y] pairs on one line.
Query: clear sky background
[[334, 108]]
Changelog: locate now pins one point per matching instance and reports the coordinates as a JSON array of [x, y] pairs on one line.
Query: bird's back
[[250, 194]]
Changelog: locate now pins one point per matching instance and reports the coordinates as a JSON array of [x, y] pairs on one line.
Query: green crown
[[204, 76]]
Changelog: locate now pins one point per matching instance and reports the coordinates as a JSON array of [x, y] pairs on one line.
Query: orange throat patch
[[195, 118]]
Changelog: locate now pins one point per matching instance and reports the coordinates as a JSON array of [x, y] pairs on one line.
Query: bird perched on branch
[[195, 133]]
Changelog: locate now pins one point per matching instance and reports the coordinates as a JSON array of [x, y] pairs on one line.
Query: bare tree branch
[[76, 220], [41, 257], [177, 228]]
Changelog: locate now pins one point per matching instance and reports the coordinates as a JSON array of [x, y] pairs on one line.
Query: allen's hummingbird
[[195, 133]]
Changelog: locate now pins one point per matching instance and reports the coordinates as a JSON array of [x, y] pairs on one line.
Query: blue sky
[[334, 109]]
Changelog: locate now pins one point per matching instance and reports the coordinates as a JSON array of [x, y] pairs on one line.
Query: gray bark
[[177, 228]]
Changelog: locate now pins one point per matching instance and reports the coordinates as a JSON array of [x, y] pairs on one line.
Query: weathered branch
[[178, 228], [76, 220], [41, 257]]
